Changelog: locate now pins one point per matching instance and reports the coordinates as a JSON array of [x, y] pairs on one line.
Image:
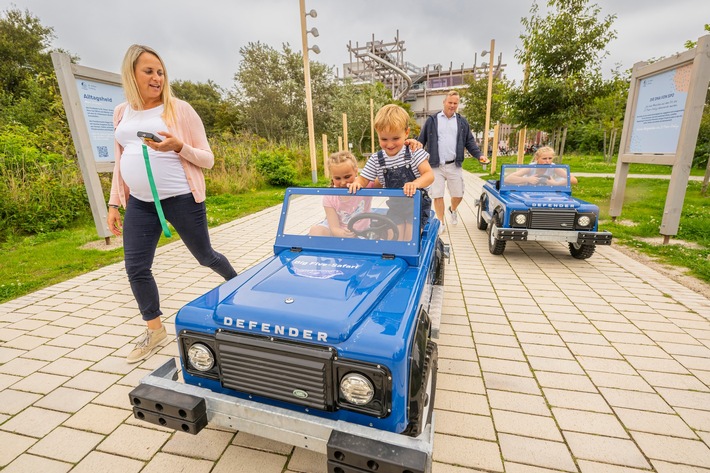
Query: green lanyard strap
[[156, 197]]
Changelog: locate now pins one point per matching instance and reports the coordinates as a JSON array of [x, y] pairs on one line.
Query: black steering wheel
[[380, 226], [543, 179]]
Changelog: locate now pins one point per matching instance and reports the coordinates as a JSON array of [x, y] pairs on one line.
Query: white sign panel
[[659, 111], [97, 103]]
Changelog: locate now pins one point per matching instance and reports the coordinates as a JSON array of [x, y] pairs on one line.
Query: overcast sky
[[200, 40]]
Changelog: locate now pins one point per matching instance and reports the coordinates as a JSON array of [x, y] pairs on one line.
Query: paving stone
[[134, 442], [469, 453], [13, 445], [163, 462], [665, 467], [635, 400], [98, 419], [517, 402], [516, 384], [208, 444], [66, 367], [107, 463], [536, 452], [587, 466], [34, 422], [46, 353], [461, 402], [241, 460], [589, 422], [12, 402], [21, 366], [67, 445], [306, 461], [467, 384], [527, 425], [90, 353], [92, 381], [572, 382], [31, 463], [576, 400], [673, 450], [255, 442], [654, 423], [465, 425]]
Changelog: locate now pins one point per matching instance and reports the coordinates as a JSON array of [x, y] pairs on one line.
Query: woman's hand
[[113, 220], [170, 143]]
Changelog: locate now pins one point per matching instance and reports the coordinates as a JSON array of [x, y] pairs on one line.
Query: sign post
[[661, 124], [89, 97]]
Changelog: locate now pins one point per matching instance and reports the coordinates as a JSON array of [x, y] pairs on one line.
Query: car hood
[[544, 199], [310, 297]]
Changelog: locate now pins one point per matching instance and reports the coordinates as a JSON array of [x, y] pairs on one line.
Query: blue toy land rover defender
[[327, 345]]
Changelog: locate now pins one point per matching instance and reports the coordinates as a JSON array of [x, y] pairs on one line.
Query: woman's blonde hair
[[341, 157], [130, 86]]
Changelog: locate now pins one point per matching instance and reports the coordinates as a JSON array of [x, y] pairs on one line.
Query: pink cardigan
[[195, 154]]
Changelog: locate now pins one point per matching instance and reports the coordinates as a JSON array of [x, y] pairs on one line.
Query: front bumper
[[529, 234], [352, 448]]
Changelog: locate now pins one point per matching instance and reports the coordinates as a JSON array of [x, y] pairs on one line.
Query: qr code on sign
[[103, 151]]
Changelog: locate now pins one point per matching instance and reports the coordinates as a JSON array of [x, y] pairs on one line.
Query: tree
[[211, 103], [354, 100], [28, 86], [563, 53], [475, 98], [271, 94]]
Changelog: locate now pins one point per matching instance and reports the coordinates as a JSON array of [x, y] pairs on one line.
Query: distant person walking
[[445, 135]]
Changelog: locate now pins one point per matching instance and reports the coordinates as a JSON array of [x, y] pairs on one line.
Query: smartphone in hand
[[149, 136]]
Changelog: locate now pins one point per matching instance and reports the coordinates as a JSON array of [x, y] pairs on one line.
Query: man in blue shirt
[[445, 135]]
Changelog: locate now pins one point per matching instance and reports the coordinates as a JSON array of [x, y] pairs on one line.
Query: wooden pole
[[340, 143], [488, 100], [309, 101], [494, 158], [345, 131], [372, 126], [326, 171], [521, 145]]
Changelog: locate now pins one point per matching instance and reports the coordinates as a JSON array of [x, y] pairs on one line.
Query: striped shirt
[[372, 169]]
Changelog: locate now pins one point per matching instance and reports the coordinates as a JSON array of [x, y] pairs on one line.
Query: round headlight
[[520, 219], [200, 357], [356, 389], [584, 221]]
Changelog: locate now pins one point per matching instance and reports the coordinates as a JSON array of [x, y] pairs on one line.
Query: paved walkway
[[547, 363]]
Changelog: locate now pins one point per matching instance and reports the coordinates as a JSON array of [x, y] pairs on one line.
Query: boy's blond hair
[[341, 157], [391, 118]]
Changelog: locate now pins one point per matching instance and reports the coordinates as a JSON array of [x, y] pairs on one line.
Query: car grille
[[276, 369], [552, 219]]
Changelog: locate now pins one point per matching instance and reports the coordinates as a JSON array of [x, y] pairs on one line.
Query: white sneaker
[[442, 228], [454, 217], [149, 343]]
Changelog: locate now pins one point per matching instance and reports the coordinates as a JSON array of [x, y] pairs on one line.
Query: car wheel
[[480, 223], [581, 251], [495, 246], [439, 267]]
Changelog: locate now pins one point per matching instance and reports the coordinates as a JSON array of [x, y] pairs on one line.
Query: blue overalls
[[397, 178]]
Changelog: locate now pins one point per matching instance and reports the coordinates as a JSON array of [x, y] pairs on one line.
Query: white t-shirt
[[168, 173]]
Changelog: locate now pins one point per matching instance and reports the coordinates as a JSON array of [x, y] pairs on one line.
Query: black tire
[[480, 223], [440, 264], [496, 247], [581, 251]]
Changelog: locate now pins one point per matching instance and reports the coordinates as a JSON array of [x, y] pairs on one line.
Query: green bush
[[277, 167], [41, 191]]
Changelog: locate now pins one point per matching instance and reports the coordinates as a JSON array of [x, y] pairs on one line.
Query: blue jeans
[[141, 232]]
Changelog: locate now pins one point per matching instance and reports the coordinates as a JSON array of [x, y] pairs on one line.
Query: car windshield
[[373, 220], [536, 175]]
